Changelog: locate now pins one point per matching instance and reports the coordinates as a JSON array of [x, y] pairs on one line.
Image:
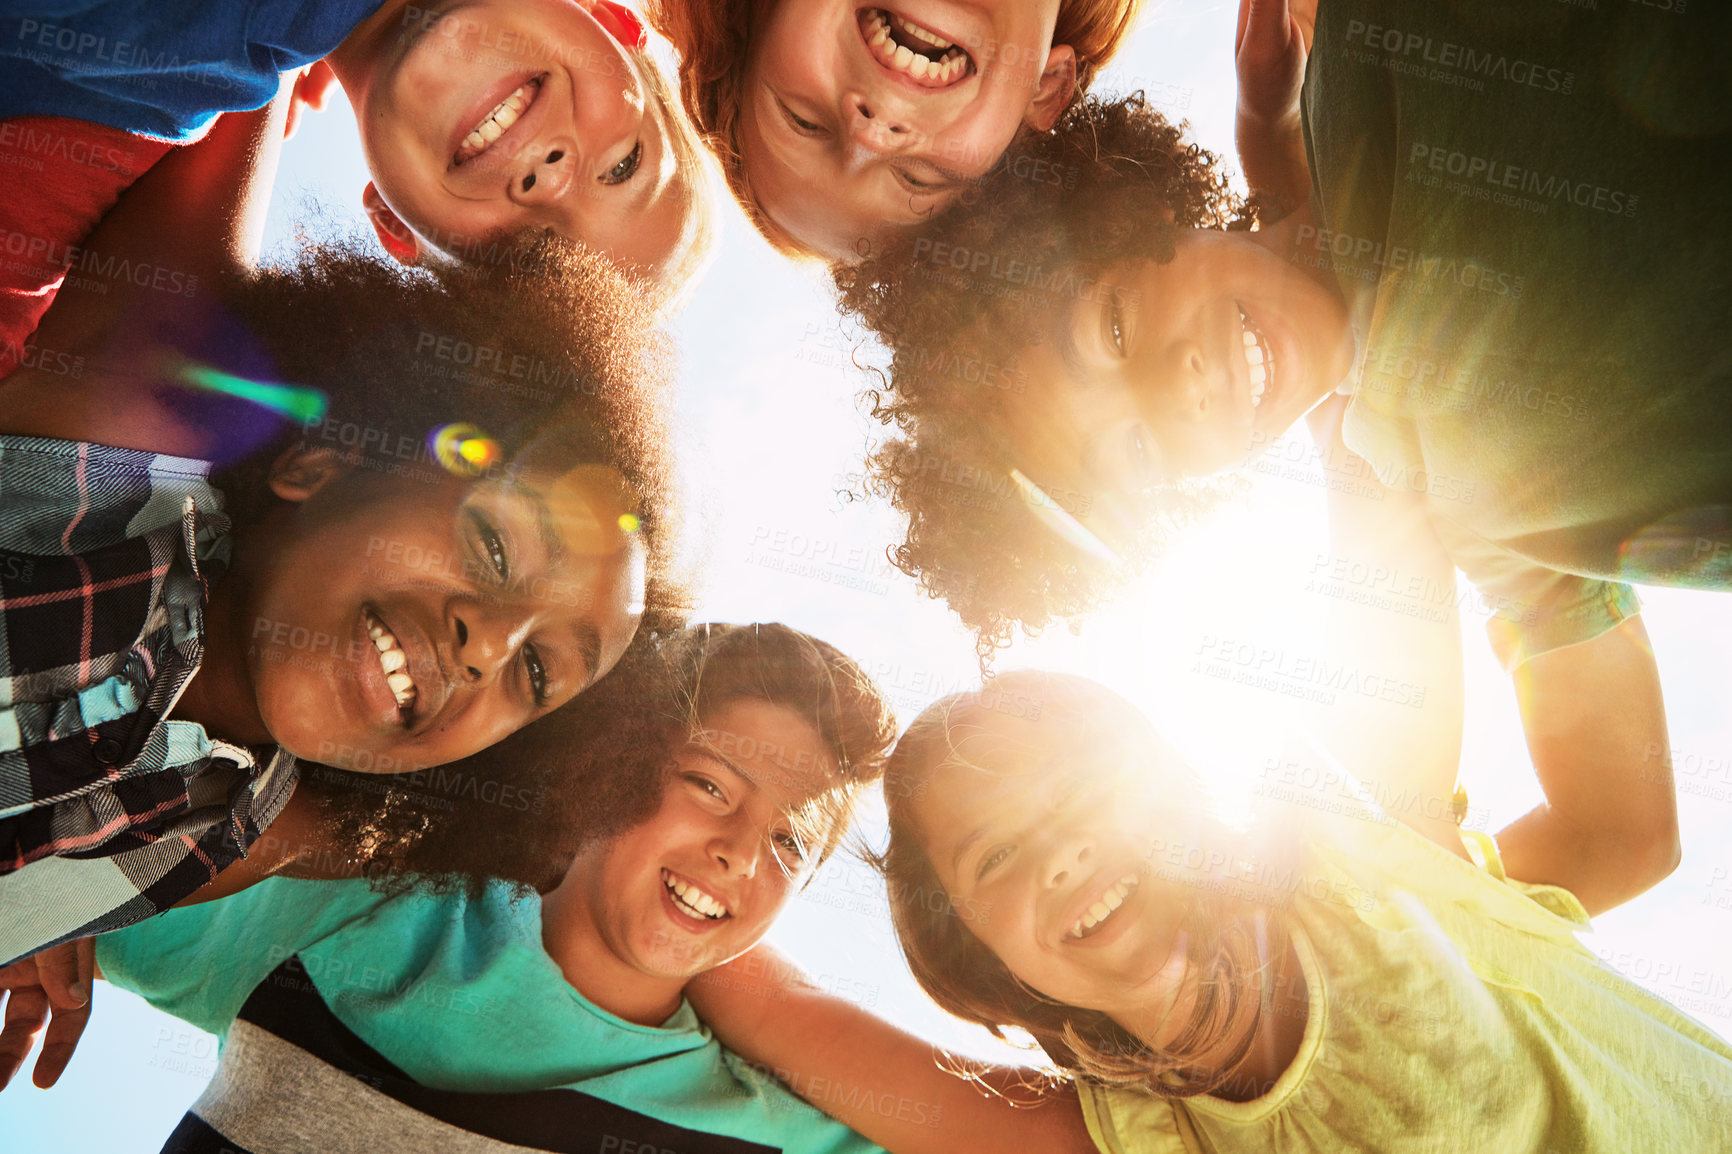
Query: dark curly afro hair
[[562, 351], [1113, 182]]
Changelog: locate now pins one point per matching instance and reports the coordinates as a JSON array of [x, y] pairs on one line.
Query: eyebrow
[[551, 542], [734, 767], [588, 640]]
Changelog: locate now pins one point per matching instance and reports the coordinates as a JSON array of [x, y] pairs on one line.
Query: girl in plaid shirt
[[416, 552]]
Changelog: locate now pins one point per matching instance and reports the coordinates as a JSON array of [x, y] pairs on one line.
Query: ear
[[398, 238], [621, 23], [299, 472], [1053, 94]]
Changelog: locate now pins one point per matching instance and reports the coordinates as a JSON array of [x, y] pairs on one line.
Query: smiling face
[[1053, 837], [745, 806], [1166, 371], [857, 119], [486, 120], [391, 624]]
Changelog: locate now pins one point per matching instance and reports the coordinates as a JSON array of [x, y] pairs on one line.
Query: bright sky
[[770, 430]]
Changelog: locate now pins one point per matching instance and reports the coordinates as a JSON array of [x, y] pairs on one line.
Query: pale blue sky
[[770, 429]]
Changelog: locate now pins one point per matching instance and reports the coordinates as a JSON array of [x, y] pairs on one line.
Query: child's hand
[[1269, 52], [312, 89], [51, 987]]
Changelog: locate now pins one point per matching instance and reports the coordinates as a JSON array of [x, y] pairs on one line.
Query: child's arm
[[1596, 729], [1269, 53], [197, 215], [828, 1050], [1592, 714]]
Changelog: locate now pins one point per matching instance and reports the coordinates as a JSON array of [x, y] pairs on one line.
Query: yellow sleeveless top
[[1451, 1010]]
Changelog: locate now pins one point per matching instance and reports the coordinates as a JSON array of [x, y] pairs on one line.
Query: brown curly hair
[[1118, 182], [596, 766], [397, 353], [714, 41], [1225, 936]]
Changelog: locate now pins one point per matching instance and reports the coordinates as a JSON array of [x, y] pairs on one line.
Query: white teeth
[[1101, 910], [496, 123], [940, 63], [1258, 359], [392, 660], [692, 901]]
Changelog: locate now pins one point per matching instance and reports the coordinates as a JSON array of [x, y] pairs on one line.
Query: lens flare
[[1054, 517], [629, 522], [296, 402], [463, 449]]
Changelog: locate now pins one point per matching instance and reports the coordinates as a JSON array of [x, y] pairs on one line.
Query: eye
[[800, 123], [537, 671], [991, 861], [912, 182], [1143, 457], [789, 844], [625, 169], [707, 786], [492, 547], [1116, 323]]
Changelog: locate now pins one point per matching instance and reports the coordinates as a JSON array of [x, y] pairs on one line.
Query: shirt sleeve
[[1531, 608], [201, 962]]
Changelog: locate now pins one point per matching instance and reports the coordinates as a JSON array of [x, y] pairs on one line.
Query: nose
[[736, 847], [1067, 858], [1190, 382], [548, 171], [485, 636], [875, 127]]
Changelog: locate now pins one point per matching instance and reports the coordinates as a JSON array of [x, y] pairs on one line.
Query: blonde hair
[[1226, 938], [714, 41]]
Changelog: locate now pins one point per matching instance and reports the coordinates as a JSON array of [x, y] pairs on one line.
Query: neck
[[356, 58], [572, 937], [1284, 237], [220, 695], [1277, 993]]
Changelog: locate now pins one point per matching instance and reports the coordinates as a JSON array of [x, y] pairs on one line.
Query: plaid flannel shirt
[[109, 811]]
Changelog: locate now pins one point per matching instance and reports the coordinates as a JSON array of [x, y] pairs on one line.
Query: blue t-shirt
[[456, 995], [162, 68]]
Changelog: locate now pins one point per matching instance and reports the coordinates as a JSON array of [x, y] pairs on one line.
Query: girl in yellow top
[[834, 122], [1348, 983]]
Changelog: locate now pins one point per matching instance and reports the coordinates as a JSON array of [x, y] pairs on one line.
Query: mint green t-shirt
[[459, 995]]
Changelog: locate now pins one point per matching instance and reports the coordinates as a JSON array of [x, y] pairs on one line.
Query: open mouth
[[393, 660], [924, 56], [1259, 360], [498, 122], [1104, 908], [692, 901]]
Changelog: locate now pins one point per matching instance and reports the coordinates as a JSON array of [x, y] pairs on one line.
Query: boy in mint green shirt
[[351, 1018]]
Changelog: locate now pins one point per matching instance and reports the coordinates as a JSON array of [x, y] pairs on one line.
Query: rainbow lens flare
[[629, 523], [296, 402], [463, 449]]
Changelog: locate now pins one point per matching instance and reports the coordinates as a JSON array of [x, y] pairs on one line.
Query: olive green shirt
[[1525, 207]]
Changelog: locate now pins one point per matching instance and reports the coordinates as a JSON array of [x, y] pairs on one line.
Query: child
[[411, 558], [836, 124], [726, 762], [1456, 322], [1328, 980], [506, 121], [1186, 992]]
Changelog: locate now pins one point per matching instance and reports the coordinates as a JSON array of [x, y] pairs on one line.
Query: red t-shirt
[[57, 179]]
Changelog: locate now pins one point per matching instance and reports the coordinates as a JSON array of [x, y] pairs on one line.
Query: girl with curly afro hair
[[1033, 471]]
